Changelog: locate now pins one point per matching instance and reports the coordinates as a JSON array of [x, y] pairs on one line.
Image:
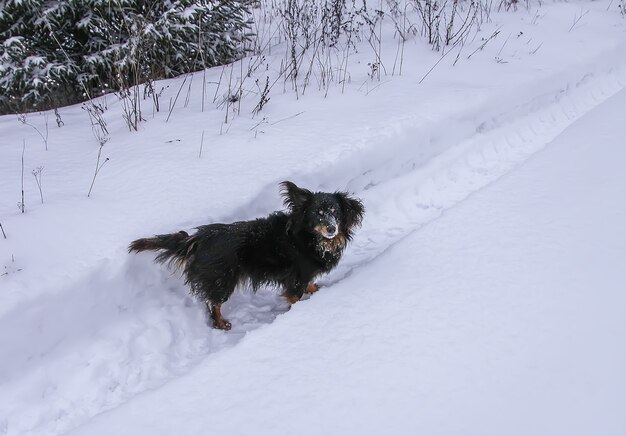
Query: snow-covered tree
[[59, 52]]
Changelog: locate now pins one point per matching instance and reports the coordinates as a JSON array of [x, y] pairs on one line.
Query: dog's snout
[[331, 229]]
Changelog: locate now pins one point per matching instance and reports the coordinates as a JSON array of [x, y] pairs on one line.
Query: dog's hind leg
[[214, 284], [216, 315]]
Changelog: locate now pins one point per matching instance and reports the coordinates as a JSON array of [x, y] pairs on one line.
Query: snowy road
[[503, 316]]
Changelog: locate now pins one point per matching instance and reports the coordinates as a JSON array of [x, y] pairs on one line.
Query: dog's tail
[[175, 248]]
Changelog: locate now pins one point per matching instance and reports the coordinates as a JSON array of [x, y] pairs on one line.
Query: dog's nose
[[331, 229]]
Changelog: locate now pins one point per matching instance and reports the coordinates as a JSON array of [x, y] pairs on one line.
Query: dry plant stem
[[229, 94], [227, 128], [380, 43], [203, 85], [378, 85], [329, 74], [37, 176], [151, 92], [264, 120], [201, 144], [219, 83], [310, 72], [290, 14], [467, 24], [173, 105], [437, 63], [3, 234], [46, 138], [450, 26], [285, 119], [203, 62], [22, 119], [314, 57], [98, 123], [537, 16], [345, 67], [458, 55], [98, 168], [493, 35], [23, 206], [502, 48], [395, 61], [532, 52], [59, 120], [39, 186], [188, 91], [264, 97], [241, 79], [577, 19]]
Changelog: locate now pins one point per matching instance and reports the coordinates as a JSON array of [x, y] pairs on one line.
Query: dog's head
[[327, 215]]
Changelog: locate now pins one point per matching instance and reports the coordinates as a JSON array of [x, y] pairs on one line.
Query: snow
[[13, 40], [483, 295], [505, 315]]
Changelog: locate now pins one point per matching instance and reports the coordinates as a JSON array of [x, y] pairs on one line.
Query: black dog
[[287, 249]]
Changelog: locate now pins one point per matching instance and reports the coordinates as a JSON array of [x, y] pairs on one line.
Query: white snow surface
[[483, 295], [503, 316]]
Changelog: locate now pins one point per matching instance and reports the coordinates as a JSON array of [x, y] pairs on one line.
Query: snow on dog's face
[[323, 215], [327, 215]]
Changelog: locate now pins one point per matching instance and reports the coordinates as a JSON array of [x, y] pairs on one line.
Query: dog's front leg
[[216, 315], [312, 288], [294, 292]]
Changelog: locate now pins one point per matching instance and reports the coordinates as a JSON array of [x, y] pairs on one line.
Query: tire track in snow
[[413, 199], [139, 336]]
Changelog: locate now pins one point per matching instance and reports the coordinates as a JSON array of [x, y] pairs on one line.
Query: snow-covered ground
[[456, 310], [503, 316]]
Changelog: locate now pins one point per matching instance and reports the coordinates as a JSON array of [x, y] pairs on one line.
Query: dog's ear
[[294, 197], [352, 210]]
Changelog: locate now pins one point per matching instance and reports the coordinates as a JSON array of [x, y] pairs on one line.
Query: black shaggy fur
[[288, 249]]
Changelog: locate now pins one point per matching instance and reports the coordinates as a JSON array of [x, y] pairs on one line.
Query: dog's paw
[[292, 300], [312, 288], [222, 324]]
